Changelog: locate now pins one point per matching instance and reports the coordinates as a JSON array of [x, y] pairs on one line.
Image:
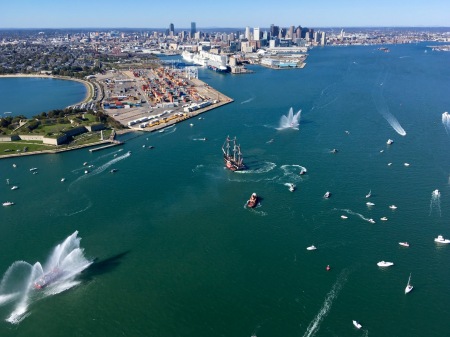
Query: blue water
[[32, 96], [177, 253]]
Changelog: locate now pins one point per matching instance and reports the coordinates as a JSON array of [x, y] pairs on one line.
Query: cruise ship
[[215, 62]]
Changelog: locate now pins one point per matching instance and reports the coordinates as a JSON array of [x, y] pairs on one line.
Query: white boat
[[436, 193], [389, 164], [404, 244], [291, 187], [344, 217], [327, 195], [14, 165], [393, 207], [385, 264], [303, 171], [63, 179], [383, 218], [311, 247], [86, 171], [371, 220], [370, 204], [440, 239], [406, 164], [368, 195], [409, 287], [8, 203], [389, 141], [33, 169], [14, 187], [85, 163], [357, 325]]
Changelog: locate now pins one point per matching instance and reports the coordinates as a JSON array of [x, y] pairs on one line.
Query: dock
[[115, 143]]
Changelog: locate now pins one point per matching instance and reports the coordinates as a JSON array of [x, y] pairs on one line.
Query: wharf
[[115, 143]]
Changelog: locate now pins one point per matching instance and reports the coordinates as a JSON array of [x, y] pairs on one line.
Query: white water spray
[[24, 283], [446, 121], [290, 121]]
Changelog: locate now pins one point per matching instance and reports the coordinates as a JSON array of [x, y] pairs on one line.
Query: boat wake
[[168, 130], [435, 202], [290, 121], [248, 100], [23, 283], [314, 325], [349, 211], [266, 167], [383, 109]]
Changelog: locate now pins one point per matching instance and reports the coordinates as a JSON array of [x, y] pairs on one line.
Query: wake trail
[[314, 325], [349, 211]]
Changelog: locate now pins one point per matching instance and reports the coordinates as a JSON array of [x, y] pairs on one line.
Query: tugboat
[[48, 278], [252, 201], [233, 159]]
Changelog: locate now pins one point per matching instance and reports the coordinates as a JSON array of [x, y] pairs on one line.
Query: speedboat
[[389, 164], [368, 195], [406, 164], [404, 244], [389, 141], [48, 278], [385, 264], [86, 171], [303, 171], [14, 187], [393, 207], [8, 203], [357, 325], [436, 193], [370, 204], [311, 247], [327, 195], [291, 187], [14, 165], [252, 201], [113, 170], [344, 217], [371, 220], [33, 169], [63, 179], [383, 218], [439, 239], [85, 163], [334, 151]]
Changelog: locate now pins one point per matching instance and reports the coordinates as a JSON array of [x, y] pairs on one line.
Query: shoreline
[[89, 86]]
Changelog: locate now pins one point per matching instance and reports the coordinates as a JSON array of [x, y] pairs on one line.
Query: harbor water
[[175, 252]]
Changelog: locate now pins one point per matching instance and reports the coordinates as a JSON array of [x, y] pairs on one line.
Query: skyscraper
[[256, 34], [171, 28], [193, 29], [247, 33]]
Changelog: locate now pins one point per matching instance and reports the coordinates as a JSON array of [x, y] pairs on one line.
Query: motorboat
[[86, 171], [370, 204], [344, 217], [371, 220], [291, 187], [14, 187], [383, 218], [63, 180], [33, 169], [389, 142], [385, 264], [252, 201], [8, 203], [393, 207], [48, 278], [404, 244], [440, 239], [311, 247], [328, 268], [409, 287], [389, 164], [436, 193], [302, 171], [327, 195], [113, 170], [406, 164], [368, 195], [85, 163], [334, 151], [14, 165], [356, 324]]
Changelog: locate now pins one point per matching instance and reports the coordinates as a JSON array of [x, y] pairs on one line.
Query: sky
[[223, 13]]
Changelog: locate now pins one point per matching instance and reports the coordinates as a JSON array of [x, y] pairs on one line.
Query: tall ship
[[232, 155]]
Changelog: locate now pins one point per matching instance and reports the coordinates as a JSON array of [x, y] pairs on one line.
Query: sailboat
[[233, 158], [409, 287]]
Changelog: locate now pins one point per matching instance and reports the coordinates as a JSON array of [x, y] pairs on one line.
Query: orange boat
[[252, 201]]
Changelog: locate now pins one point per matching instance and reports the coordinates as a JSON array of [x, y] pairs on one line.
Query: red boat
[[253, 201], [233, 158]]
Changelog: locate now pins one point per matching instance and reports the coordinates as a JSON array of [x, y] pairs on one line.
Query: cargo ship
[[232, 155]]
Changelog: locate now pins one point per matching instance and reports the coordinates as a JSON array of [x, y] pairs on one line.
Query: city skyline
[[143, 14]]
